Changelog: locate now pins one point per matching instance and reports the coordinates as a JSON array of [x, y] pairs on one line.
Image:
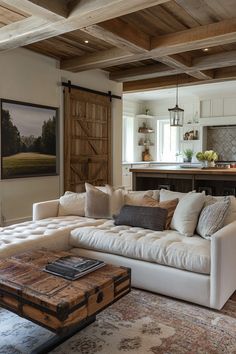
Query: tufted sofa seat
[[50, 233], [163, 247]]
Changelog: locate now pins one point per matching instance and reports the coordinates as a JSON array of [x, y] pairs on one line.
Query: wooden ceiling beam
[[84, 13], [212, 61], [121, 35], [218, 33], [144, 72], [167, 47], [52, 10], [220, 75], [101, 59]]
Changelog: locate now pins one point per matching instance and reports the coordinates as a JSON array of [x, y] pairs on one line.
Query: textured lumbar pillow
[[169, 205], [100, 204], [212, 218], [186, 214], [142, 216], [72, 204]]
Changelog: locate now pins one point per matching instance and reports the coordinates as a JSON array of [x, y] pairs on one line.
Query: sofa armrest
[[223, 265], [45, 209]]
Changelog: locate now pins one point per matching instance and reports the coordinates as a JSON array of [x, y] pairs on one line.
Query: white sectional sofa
[[189, 268]]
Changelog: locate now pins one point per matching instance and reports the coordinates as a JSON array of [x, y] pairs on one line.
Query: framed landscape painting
[[29, 140]]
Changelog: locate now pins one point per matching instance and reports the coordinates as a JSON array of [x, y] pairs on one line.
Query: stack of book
[[73, 267]]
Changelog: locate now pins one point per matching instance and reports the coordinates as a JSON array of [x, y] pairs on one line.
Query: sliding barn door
[[87, 139]]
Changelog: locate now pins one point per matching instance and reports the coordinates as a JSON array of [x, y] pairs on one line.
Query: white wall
[[31, 77]]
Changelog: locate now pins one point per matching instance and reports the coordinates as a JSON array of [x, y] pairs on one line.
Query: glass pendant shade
[[176, 116], [176, 113]]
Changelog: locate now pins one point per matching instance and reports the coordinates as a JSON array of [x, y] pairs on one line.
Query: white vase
[[209, 164]]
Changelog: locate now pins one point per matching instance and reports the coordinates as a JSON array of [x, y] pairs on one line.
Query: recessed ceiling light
[[86, 41], [205, 49]]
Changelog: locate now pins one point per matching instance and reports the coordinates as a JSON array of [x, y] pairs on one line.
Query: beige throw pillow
[[165, 194], [186, 214], [103, 204], [136, 197], [170, 205], [72, 204]]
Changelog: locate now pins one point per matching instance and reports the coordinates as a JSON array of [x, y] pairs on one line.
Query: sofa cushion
[[142, 216], [165, 195], [212, 218], [100, 204], [164, 247], [231, 214], [186, 214], [72, 204], [50, 233], [136, 197], [169, 205]]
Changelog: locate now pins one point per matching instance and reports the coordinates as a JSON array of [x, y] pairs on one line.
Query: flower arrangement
[[207, 157]]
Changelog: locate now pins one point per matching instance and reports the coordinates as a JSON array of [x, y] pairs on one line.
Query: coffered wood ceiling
[[142, 43]]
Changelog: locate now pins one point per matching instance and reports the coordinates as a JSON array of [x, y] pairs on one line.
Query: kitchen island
[[215, 181]]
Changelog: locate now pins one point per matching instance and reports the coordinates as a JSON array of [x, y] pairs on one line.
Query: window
[[128, 139], [167, 141]]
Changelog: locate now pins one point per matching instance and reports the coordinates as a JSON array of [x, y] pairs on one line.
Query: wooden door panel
[[87, 139]]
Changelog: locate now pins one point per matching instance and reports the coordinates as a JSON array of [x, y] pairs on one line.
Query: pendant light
[[176, 113]]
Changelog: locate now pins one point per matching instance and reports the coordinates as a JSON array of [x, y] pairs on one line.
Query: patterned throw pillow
[[170, 205], [212, 218], [142, 216]]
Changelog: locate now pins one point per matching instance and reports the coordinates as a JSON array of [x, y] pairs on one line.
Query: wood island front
[[215, 181]]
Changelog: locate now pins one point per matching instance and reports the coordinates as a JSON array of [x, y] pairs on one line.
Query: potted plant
[[188, 153], [207, 157]]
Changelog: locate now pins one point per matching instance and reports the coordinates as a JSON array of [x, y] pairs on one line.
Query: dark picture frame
[[29, 140]]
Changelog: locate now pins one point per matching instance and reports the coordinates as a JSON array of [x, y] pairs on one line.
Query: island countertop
[[185, 171]]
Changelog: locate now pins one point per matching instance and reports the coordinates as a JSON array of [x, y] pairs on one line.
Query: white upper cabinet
[[230, 106], [205, 108], [218, 107]]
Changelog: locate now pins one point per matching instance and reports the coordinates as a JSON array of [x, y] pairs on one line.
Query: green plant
[[188, 153], [208, 155]]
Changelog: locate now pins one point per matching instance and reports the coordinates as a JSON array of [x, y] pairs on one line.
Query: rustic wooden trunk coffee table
[[62, 306]]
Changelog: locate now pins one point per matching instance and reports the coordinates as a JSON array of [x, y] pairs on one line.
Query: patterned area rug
[[140, 323]]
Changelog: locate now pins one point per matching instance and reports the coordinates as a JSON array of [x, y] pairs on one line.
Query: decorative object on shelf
[[145, 129], [147, 111], [188, 153], [176, 113], [191, 135], [146, 156], [196, 118], [207, 158]]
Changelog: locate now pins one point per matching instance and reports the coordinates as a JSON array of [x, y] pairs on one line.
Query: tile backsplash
[[222, 139]]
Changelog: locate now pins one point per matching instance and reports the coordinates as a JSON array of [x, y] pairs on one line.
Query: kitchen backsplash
[[222, 139]]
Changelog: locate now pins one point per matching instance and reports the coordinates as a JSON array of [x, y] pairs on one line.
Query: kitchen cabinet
[[218, 107], [230, 106]]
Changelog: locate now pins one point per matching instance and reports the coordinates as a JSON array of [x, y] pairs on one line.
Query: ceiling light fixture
[[176, 113], [205, 49], [86, 41]]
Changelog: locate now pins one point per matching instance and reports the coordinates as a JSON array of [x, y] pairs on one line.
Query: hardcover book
[[73, 267]]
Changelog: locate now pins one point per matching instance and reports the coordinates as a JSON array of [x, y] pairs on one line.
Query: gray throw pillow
[[142, 216], [212, 218]]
